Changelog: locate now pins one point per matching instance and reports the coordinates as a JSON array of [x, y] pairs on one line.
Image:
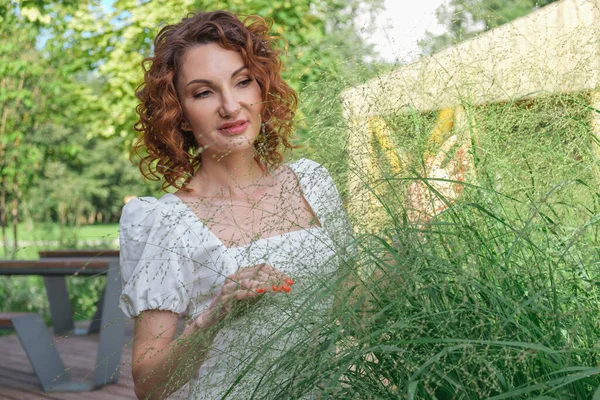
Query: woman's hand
[[242, 288]]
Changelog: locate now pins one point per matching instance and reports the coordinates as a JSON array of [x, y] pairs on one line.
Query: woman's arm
[[161, 363]]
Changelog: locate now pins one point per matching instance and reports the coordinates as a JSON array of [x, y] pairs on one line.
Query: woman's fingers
[[262, 273], [248, 284], [253, 272], [257, 286], [240, 295], [272, 273], [254, 281], [231, 285]]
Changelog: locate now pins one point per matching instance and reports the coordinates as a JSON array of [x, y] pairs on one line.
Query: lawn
[[33, 238]]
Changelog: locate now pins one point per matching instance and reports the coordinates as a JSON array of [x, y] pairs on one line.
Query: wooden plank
[[79, 253], [6, 318], [19, 377], [8, 390], [66, 262], [27, 386], [55, 266], [18, 381]]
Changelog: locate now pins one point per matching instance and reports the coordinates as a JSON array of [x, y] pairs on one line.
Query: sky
[[400, 25]]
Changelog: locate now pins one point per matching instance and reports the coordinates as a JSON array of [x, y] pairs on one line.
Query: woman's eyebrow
[[237, 71], [207, 82]]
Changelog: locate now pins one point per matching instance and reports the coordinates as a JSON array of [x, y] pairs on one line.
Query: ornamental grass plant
[[495, 297]]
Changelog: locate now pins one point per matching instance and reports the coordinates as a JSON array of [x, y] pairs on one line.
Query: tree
[[466, 18], [48, 119], [22, 79], [68, 74], [312, 28]]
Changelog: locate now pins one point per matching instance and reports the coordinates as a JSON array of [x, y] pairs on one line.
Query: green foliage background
[[69, 74]]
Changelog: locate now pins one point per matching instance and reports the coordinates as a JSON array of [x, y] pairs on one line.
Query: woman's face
[[220, 98]]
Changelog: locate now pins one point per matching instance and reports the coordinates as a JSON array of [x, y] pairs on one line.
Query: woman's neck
[[235, 175]]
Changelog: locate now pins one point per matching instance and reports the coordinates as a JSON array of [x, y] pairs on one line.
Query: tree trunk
[[15, 214], [16, 192], [62, 220], [5, 111], [3, 214]]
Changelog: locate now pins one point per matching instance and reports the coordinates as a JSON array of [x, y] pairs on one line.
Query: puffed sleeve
[[156, 268]]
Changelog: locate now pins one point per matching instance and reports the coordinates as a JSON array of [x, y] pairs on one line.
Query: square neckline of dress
[[301, 229]]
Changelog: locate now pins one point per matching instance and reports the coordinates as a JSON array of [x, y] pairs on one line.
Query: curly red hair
[[169, 150]]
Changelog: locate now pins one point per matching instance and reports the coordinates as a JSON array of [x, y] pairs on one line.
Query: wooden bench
[[34, 335], [58, 266], [77, 253], [55, 285], [7, 317]]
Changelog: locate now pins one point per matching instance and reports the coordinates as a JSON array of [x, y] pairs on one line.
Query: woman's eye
[[201, 95], [245, 82]]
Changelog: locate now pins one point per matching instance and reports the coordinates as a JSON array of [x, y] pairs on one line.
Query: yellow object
[[382, 133], [441, 130]]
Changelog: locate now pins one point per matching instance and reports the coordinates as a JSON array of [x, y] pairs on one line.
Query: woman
[[245, 239]]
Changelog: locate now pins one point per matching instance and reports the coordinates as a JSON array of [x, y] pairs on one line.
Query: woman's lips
[[235, 129]]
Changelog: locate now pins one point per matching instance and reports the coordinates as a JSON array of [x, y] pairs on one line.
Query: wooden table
[[58, 297], [110, 321], [79, 253]]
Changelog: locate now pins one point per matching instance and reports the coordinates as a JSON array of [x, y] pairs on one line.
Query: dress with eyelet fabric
[[171, 261]]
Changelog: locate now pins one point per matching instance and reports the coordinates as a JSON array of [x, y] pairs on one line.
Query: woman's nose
[[230, 106]]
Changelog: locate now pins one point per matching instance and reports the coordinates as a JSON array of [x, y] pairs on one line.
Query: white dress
[[171, 261]]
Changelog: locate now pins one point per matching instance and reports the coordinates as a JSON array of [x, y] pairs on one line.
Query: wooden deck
[[18, 381]]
